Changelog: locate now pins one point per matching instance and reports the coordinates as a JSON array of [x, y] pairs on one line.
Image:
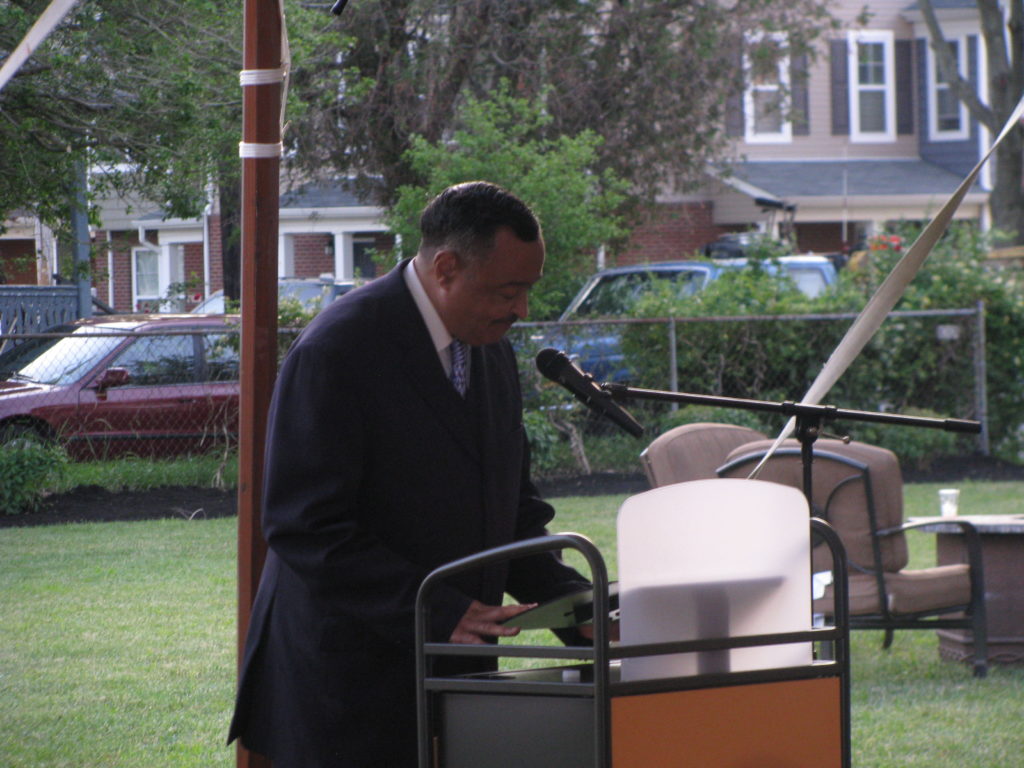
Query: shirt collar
[[439, 335]]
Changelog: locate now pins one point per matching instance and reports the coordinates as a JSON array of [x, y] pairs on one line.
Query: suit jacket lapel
[[423, 370]]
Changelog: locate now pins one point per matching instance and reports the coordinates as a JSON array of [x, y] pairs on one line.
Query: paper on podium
[[569, 611], [713, 559]]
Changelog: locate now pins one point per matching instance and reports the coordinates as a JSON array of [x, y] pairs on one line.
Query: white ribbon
[[262, 76], [248, 149], [889, 292], [249, 77], [50, 18]]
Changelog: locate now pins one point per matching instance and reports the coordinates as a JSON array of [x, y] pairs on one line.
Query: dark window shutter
[[734, 123], [973, 76], [840, 83], [801, 101], [904, 87]]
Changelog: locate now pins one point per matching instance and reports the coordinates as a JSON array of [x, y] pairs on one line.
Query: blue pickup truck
[[615, 292]]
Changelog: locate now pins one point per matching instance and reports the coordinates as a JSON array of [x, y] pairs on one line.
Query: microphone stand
[[809, 418]]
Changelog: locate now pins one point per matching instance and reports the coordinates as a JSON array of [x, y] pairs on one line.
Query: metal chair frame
[[974, 617]]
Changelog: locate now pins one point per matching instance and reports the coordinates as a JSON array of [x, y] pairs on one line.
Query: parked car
[[615, 293], [312, 293], [153, 385]]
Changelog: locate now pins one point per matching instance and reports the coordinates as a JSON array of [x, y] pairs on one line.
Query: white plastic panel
[[710, 559]]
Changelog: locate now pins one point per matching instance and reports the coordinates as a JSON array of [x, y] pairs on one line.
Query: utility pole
[[262, 80]]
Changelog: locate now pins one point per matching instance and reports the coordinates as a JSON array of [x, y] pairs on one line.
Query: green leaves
[[504, 139], [147, 92], [26, 467]]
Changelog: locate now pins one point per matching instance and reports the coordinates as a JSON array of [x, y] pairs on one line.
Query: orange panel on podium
[[789, 724]]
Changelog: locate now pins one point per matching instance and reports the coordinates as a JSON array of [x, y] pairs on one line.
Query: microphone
[[559, 368]]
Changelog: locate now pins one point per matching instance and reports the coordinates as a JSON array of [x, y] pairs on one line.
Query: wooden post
[[261, 129]]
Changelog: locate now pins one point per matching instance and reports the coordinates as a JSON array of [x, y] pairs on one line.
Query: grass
[[117, 649], [212, 470]]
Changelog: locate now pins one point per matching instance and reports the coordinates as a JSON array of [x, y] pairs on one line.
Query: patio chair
[[692, 451], [858, 488]]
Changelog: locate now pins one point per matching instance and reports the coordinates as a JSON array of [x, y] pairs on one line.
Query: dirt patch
[[95, 504], [92, 504]]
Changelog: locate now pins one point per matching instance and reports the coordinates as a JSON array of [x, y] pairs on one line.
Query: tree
[[1004, 54], [141, 91], [651, 77], [496, 140], [147, 92]]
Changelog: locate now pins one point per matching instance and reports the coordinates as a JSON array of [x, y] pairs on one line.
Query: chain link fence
[[105, 389], [920, 362]]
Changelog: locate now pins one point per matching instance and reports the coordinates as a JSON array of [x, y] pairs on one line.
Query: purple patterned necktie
[[459, 359]]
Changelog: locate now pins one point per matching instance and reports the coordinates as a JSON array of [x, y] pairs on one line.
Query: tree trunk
[[230, 194], [1007, 198]]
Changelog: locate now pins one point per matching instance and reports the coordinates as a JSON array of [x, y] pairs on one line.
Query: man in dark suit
[[379, 470]]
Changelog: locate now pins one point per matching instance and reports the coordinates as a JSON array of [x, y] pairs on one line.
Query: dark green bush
[[544, 440], [26, 468]]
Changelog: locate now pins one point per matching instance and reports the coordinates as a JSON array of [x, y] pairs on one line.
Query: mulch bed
[[95, 504]]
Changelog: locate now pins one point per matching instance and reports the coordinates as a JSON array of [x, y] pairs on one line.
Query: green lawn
[[117, 648]]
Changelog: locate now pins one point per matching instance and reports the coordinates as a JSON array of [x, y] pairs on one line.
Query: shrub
[[908, 365], [26, 469], [543, 438]]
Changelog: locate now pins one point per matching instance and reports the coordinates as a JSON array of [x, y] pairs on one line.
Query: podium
[[690, 684]]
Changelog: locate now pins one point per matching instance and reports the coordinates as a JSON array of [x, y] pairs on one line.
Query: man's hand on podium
[[482, 621]]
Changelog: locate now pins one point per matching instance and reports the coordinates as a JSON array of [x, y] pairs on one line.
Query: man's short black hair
[[465, 217]]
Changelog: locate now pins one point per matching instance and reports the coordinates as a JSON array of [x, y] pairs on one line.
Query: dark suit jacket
[[376, 473]]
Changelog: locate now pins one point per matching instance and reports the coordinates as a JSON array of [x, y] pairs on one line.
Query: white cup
[[949, 498]]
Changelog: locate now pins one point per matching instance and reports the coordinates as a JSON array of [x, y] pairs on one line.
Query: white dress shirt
[[438, 333]]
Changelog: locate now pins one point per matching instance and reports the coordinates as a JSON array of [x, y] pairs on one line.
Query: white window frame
[[782, 86], [934, 132], [888, 88], [136, 296]]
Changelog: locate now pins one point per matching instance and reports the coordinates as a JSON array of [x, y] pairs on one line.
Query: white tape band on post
[[262, 76], [248, 149]]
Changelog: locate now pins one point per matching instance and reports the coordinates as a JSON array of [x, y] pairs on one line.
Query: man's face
[[480, 300]]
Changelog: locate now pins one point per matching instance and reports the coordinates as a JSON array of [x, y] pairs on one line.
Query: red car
[[150, 385]]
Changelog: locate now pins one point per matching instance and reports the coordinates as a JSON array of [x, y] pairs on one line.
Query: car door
[[218, 376], [156, 407]]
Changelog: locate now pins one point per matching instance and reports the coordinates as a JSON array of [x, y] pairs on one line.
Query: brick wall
[[18, 263], [121, 244], [193, 262], [670, 231], [313, 255], [820, 237], [216, 265]]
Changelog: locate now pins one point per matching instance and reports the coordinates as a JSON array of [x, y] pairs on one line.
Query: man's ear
[[446, 266]]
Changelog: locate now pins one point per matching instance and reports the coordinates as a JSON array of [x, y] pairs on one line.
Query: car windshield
[[16, 357], [71, 357], [618, 294], [308, 294], [809, 280]]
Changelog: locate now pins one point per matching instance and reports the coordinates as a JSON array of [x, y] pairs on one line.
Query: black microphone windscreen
[[550, 362]]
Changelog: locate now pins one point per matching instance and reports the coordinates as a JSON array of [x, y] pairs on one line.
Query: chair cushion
[[845, 508], [692, 451], [927, 589]]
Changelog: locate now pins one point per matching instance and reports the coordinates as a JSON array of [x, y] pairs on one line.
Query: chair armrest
[[972, 539]]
